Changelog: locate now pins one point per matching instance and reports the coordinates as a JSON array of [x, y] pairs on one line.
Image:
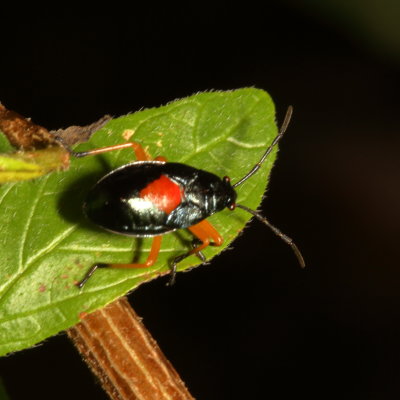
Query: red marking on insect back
[[163, 193]]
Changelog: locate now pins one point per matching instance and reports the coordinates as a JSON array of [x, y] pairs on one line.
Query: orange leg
[[141, 155], [203, 231], [160, 158], [151, 259]]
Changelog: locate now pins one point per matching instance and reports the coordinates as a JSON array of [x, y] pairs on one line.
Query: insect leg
[[151, 259], [140, 153], [195, 243], [203, 231], [204, 228], [160, 158]]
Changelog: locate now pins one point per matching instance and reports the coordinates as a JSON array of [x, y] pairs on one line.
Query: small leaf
[[47, 245]]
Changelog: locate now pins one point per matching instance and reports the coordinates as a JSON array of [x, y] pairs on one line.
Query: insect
[[150, 198]]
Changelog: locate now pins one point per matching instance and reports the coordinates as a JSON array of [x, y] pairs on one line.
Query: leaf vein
[[6, 192]]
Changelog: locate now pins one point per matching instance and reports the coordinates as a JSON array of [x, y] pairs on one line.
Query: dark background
[[251, 325]]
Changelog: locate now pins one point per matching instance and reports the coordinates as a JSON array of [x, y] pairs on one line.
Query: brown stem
[[22, 132], [123, 355]]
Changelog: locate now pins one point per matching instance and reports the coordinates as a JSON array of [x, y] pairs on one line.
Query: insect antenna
[[284, 126], [277, 232]]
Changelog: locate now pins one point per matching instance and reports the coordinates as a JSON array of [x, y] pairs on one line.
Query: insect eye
[[232, 206], [226, 179]]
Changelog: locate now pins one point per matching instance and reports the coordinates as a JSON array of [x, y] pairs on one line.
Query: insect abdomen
[[152, 198]]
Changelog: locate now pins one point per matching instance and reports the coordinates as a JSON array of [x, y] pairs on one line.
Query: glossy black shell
[[114, 202]]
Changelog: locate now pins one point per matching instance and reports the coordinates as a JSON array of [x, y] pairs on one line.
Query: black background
[[252, 324]]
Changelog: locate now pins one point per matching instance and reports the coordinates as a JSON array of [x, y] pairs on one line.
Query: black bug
[[150, 198]]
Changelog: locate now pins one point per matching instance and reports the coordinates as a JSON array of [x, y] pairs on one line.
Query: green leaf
[[5, 145], [47, 245]]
